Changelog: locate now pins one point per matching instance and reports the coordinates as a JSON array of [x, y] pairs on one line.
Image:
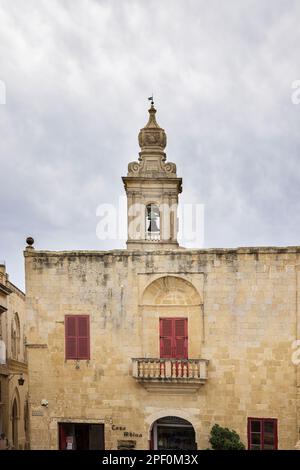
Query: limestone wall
[[243, 318]]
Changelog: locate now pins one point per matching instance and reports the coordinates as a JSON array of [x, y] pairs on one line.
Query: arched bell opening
[[152, 222]]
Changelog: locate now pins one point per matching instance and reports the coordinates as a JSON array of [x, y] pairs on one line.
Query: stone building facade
[[13, 365], [150, 346]]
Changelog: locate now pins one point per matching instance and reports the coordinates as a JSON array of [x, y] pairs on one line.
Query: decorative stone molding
[[134, 167], [152, 135], [152, 165], [152, 140]]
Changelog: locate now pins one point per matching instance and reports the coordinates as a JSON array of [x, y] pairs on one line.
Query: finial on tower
[[152, 136], [151, 99]]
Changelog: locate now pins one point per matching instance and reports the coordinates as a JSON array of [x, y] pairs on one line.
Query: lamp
[[20, 380]]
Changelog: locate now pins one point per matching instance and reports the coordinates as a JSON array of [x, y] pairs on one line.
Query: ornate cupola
[[152, 189]]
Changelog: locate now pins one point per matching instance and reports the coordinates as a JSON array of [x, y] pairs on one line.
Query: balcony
[[170, 375]]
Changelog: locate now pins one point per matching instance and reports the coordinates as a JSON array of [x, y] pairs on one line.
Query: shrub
[[225, 439]]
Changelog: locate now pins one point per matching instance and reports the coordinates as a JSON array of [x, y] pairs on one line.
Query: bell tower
[[152, 189]]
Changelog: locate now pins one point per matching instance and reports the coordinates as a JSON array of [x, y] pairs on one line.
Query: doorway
[[14, 418], [81, 436], [173, 433]]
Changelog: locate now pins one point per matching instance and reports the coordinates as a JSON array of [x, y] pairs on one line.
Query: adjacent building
[[150, 346], [14, 423]]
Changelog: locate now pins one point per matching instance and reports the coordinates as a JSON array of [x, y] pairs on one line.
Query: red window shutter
[[77, 336], [71, 336], [173, 338], [181, 338], [83, 337], [255, 433], [166, 347], [166, 337], [166, 326], [262, 434], [62, 437], [270, 434]]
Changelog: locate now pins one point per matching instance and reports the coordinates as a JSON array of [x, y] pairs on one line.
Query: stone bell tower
[[152, 189]]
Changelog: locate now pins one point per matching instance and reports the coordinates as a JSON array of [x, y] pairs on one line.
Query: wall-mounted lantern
[[21, 380]]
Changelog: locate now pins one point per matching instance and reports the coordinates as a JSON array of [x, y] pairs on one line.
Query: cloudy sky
[[77, 75]]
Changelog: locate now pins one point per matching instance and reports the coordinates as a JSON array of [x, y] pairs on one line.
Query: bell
[[153, 226]]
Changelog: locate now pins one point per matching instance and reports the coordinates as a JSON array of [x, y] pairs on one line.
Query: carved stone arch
[[154, 202], [15, 410], [171, 296], [171, 290], [16, 398]]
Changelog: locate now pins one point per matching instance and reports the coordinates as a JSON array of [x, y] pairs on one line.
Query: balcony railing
[[153, 236], [170, 371]]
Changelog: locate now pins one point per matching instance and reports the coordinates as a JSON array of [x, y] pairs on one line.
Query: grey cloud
[[77, 76]]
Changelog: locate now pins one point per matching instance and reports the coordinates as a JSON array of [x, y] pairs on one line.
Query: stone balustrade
[[193, 371], [153, 236]]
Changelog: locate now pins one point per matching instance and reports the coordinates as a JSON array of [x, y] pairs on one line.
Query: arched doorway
[[173, 433], [14, 418]]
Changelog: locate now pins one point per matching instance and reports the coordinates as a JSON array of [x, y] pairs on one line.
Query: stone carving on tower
[[152, 158], [152, 189]]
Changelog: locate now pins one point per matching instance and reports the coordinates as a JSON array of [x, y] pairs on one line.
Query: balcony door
[[173, 338]]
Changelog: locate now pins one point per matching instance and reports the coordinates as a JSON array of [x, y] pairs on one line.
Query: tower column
[[166, 232], [173, 216]]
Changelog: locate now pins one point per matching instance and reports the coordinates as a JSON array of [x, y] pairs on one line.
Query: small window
[[15, 336], [262, 434], [77, 336]]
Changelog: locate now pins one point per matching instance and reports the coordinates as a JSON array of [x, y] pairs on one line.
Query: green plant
[[225, 439]]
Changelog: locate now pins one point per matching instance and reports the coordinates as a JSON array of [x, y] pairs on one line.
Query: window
[[173, 338], [262, 434], [77, 332], [15, 336]]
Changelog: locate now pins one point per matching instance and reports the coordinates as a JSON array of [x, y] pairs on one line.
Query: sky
[[76, 76]]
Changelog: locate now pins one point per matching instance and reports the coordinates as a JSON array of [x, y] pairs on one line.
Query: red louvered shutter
[[71, 336], [181, 338], [83, 337], [166, 337], [62, 437], [77, 336], [173, 338]]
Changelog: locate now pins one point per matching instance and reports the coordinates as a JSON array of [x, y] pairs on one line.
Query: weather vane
[[151, 99]]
